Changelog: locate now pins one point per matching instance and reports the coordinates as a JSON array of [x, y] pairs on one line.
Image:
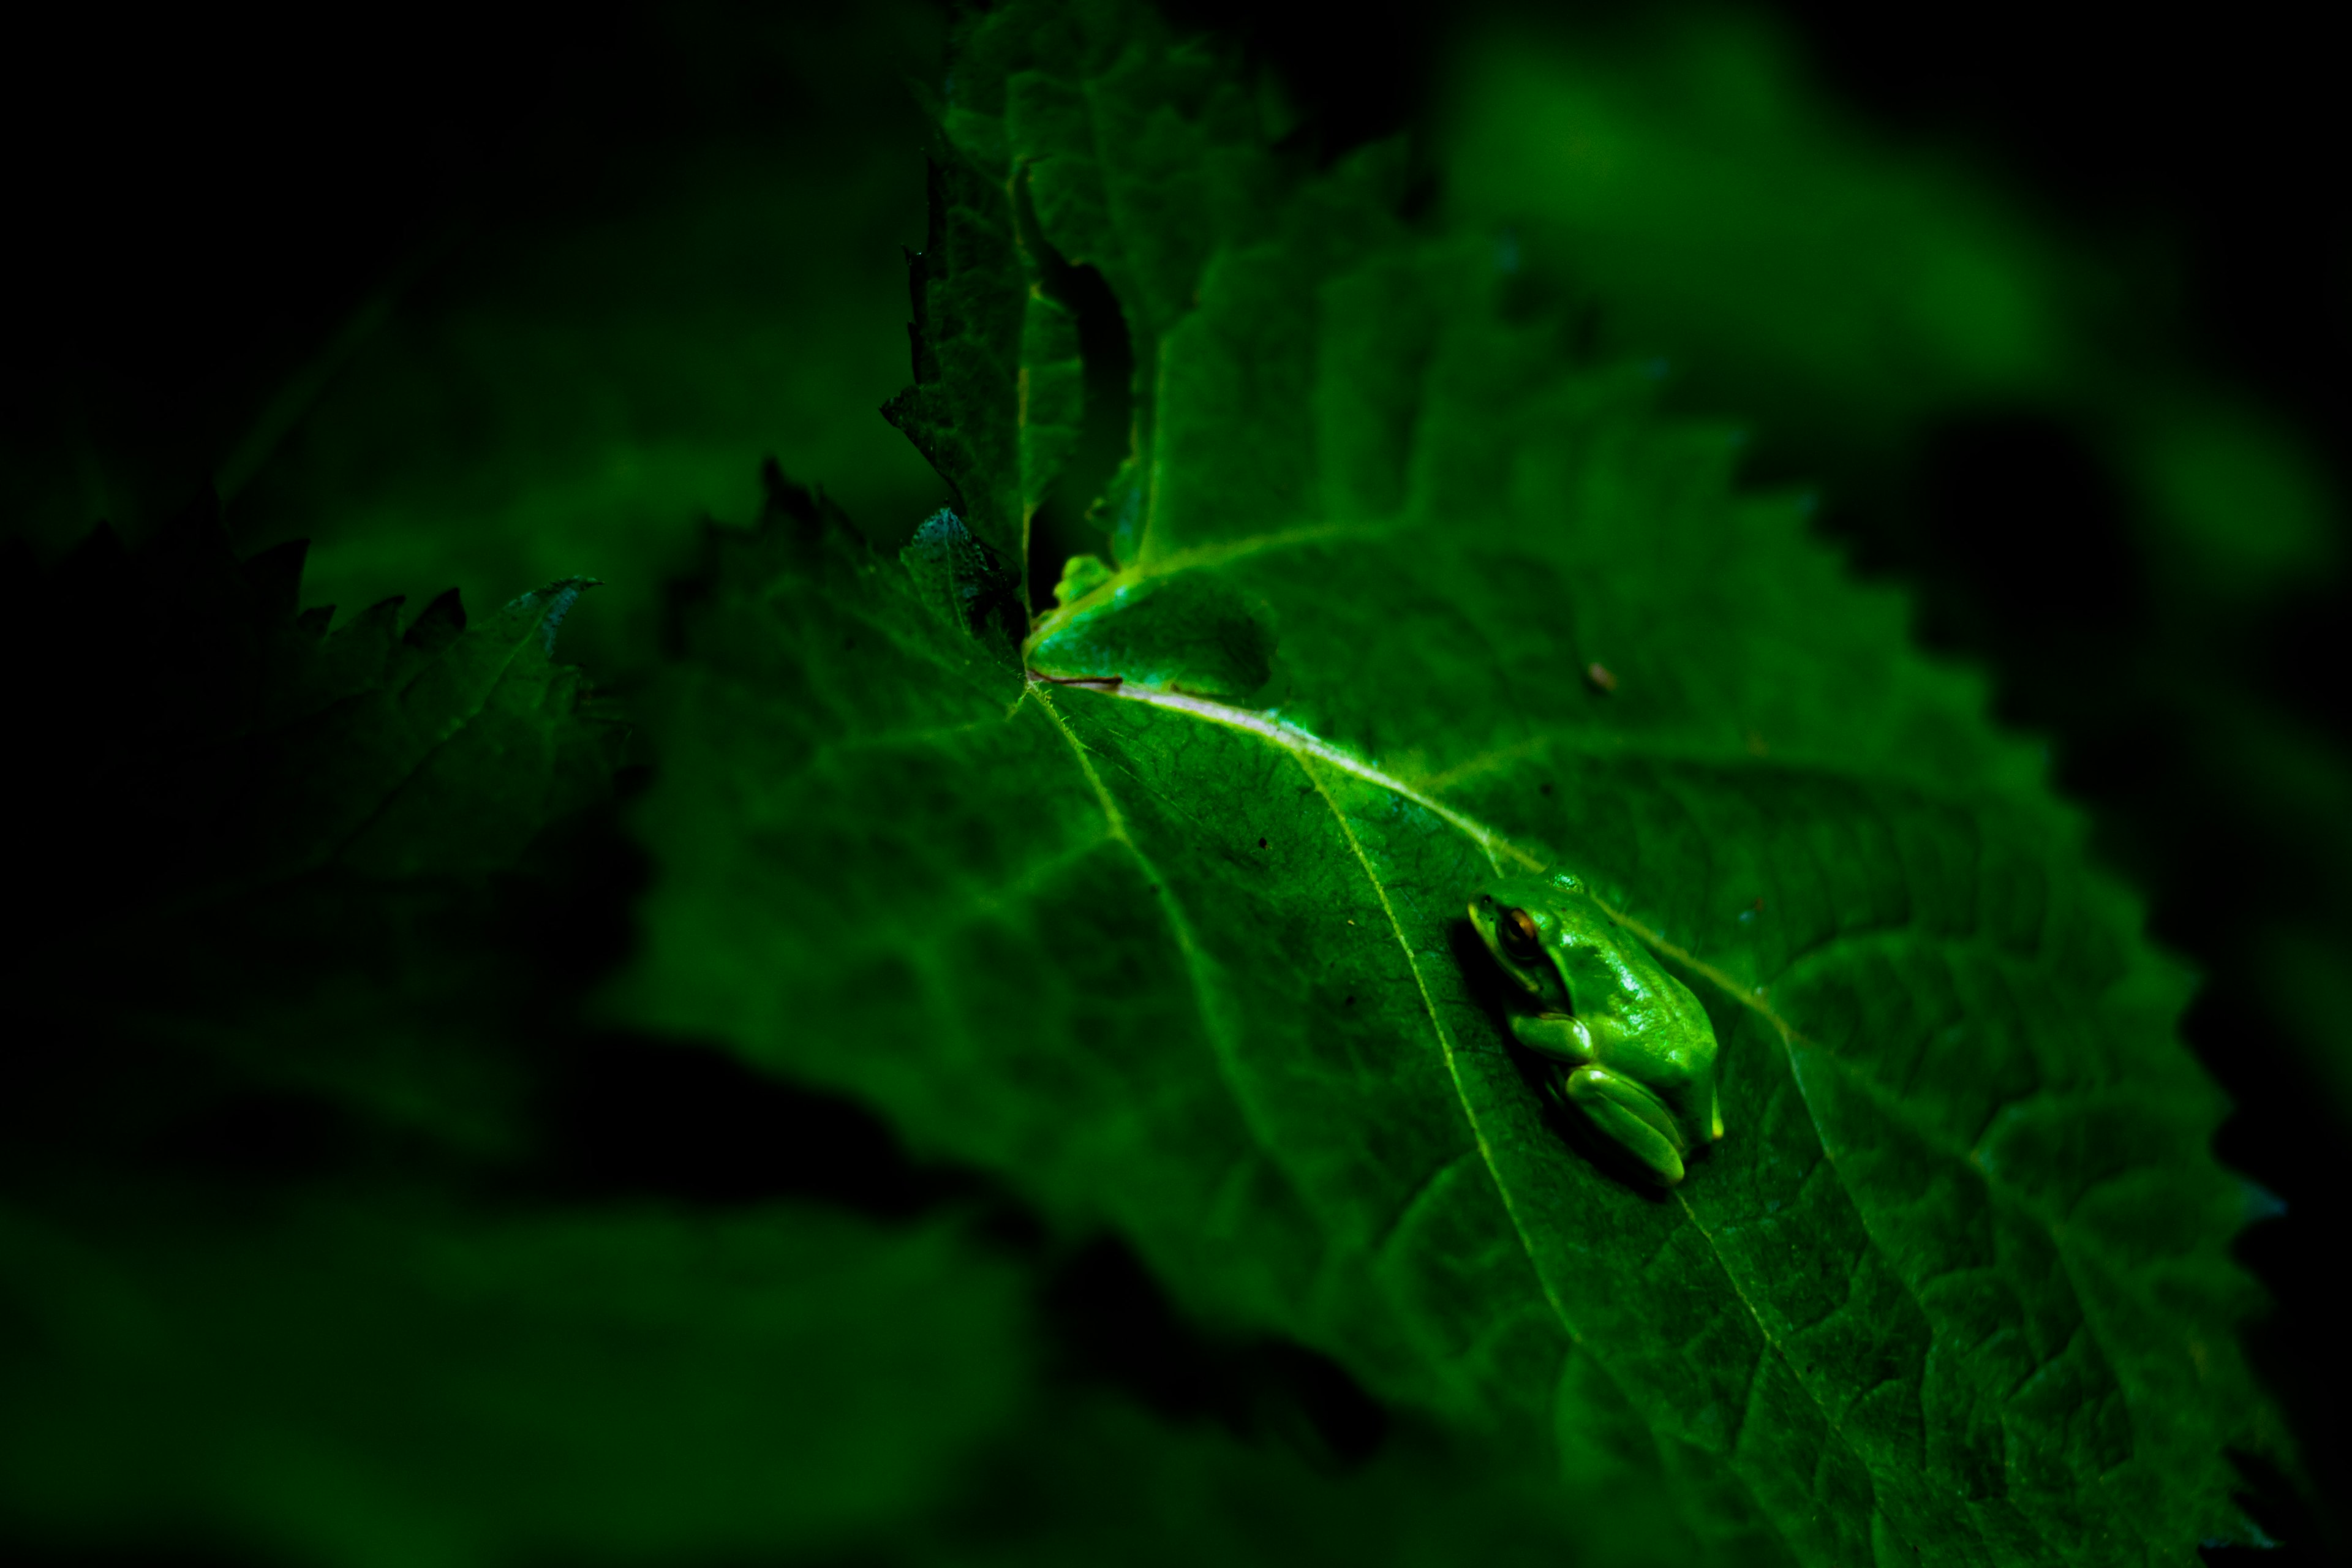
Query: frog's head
[[1525, 922]]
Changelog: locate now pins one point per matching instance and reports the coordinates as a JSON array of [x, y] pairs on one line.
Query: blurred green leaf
[[377, 1385], [398, 1384], [1093, 1480], [224, 740], [226, 1333], [1955, 1287], [1681, 172], [1684, 171], [275, 844], [642, 307], [997, 399], [2244, 507]]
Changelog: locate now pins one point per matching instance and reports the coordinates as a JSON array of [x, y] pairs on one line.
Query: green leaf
[[1205, 978], [269, 844], [390, 1382], [1182, 631], [1092, 1480], [234, 741], [604, 353], [998, 395], [387, 1384], [218, 1342], [1956, 1287]]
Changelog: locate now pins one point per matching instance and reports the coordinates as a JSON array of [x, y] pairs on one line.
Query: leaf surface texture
[[1190, 959]]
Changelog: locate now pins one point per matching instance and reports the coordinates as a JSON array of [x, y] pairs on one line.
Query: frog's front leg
[[1562, 1037], [1637, 1119]]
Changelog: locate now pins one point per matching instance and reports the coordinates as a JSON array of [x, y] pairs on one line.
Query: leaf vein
[[1196, 960], [1446, 1047]]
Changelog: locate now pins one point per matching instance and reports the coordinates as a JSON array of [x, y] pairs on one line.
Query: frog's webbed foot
[[1559, 1035], [1637, 1119]]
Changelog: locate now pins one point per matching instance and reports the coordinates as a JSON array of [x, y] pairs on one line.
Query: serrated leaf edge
[[1309, 749]]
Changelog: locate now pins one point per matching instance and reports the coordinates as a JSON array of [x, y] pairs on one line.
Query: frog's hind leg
[[1631, 1115]]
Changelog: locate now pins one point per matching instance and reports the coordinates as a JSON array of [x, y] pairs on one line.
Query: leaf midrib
[[1212, 1022], [1303, 746], [1753, 998], [1487, 840]]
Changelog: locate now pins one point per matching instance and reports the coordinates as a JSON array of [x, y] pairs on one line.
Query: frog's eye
[[1518, 930]]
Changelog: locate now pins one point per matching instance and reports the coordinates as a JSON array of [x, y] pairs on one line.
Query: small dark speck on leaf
[[1543, 789], [1597, 673], [1348, 1002], [1261, 842]]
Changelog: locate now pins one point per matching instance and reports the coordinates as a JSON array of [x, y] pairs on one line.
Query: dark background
[[197, 204]]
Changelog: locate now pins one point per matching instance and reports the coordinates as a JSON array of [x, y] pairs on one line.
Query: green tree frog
[[1634, 1047]]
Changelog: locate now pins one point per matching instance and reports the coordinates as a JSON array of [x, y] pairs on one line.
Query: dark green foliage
[[997, 398], [1956, 1286], [394, 1382], [335, 1231], [307, 1255], [233, 719], [263, 843]]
